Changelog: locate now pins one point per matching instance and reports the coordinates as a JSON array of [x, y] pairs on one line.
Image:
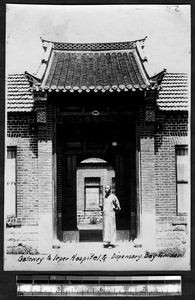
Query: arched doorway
[[92, 175]]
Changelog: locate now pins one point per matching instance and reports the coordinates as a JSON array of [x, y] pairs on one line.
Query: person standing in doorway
[[110, 206]]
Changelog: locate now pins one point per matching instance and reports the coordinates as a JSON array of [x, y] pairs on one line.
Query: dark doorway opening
[[107, 137]]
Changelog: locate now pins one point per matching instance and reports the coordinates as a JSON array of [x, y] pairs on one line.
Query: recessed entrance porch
[[110, 138]]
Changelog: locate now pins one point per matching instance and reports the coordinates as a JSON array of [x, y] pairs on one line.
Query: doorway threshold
[[88, 235], [90, 227]]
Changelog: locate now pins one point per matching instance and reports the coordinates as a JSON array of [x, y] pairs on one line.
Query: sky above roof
[[167, 28]]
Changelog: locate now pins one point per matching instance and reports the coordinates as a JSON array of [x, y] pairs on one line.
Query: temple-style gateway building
[[96, 114]]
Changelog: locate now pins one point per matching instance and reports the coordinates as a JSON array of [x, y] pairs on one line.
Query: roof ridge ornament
[[158, 77], [33, 80], [100, 46]]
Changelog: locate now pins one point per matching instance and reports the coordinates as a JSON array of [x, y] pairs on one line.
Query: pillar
[[147, 208], [45, 172]]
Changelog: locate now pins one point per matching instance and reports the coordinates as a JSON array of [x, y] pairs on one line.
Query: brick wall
[[46, 183], [45, 161], [173, 130], [22, 134], [147, 180], [34, 164], [157, 172], [34, 174]]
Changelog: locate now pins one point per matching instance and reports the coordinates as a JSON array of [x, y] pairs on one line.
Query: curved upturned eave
[[106, 73]]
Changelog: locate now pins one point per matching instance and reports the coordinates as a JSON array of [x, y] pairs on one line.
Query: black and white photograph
[[97, 137]]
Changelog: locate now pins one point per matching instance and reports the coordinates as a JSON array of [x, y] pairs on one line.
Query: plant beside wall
[[21, 249], [93, 219]]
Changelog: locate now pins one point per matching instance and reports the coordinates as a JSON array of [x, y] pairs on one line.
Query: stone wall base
[[172, 236], [23, 240]]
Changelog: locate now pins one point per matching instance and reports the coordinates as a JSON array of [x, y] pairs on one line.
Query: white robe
[[109, 220]]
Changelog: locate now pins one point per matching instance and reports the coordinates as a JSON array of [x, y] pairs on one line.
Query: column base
[[45, 232], [137, 243]]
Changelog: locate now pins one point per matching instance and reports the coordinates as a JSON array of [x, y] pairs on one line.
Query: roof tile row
[[94, 71], [172, 96], [19, 96]]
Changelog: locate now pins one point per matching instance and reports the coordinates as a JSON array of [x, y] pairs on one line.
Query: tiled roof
[[94, 71], [19, 97], [173, 94], [93, 67]]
